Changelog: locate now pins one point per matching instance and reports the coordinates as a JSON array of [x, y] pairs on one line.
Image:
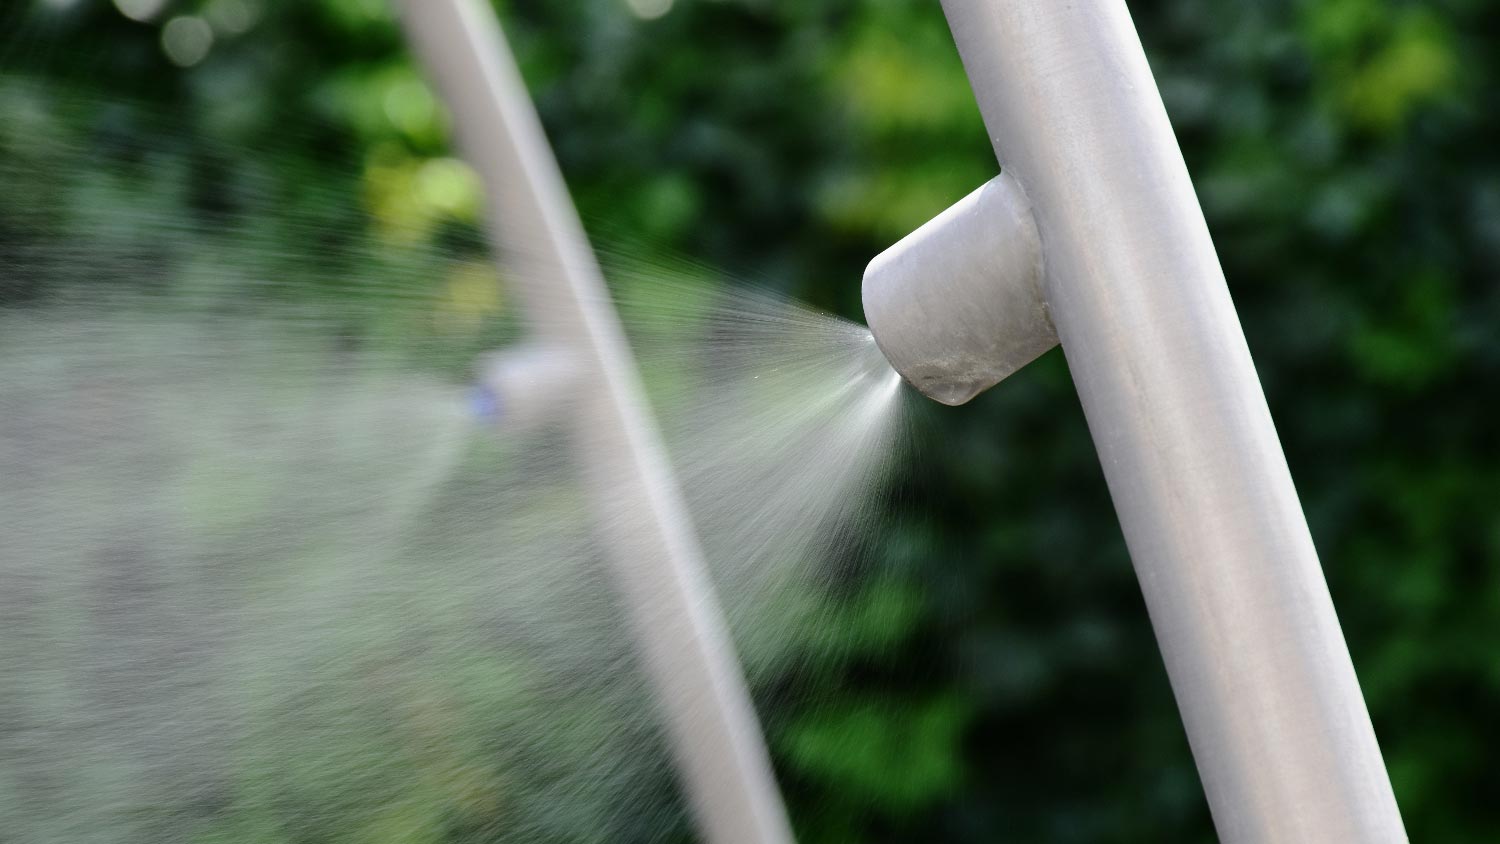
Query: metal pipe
[[641, 518], [1232, 582]]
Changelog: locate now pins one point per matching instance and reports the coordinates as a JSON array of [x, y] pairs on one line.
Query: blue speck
[[484, 403]]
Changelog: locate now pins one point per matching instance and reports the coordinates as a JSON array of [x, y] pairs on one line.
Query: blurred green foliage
[[991, 675]]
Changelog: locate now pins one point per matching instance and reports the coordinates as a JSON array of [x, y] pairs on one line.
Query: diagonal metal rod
[[1247, 629], [639, 513]]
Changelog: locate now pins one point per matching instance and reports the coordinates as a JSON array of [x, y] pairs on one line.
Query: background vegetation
[[1000, 680]]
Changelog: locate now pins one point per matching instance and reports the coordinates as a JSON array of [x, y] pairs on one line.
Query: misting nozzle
[[524, 386], [956, 306]]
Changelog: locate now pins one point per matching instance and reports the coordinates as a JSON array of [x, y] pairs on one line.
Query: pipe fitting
[[957, 306], [525, 386]]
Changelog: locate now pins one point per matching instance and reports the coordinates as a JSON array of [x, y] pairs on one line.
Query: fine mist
[[268, 577]]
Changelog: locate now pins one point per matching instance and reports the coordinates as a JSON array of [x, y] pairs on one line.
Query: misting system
[[1091, 237]]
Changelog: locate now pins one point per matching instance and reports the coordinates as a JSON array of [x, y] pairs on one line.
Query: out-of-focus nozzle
[[956, 306], [524, 386]]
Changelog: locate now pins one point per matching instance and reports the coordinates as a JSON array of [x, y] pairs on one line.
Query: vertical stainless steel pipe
[[641, 518], [1232, 582]]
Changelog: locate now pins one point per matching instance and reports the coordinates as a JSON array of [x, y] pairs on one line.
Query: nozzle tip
[[484, 403]]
